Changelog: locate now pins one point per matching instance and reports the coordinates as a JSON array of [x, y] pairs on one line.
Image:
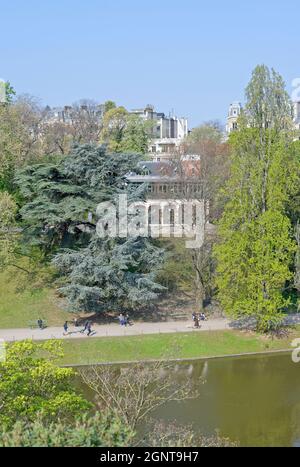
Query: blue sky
[[191, 56]]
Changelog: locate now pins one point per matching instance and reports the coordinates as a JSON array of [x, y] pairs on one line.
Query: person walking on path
[[196, 322], [127, 320], [65, 328], [89, 329], [85, 327], [122, 319], [40, 323]]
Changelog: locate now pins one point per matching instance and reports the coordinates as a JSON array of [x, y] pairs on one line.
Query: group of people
[[124, 319], [197, 318], [87, 327]]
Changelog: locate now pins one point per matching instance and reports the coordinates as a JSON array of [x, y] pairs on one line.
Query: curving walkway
[[112, 330], [138, 328]]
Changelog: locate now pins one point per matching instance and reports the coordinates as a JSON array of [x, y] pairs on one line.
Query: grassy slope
[[21, 302], [196, 344]]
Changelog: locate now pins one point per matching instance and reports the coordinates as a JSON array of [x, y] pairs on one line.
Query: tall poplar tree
[[256, 249]]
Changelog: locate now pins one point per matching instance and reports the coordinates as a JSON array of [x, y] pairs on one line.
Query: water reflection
[[254, 400]]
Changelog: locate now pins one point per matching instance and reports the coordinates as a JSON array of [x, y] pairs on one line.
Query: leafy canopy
[[31, 383], [8, 240], [100, 430], [256, 249], [59, 215]]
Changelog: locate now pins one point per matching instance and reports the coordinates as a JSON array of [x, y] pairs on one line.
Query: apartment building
[[167, 132]]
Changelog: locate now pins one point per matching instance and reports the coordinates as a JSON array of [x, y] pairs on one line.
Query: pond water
[[254, 400]]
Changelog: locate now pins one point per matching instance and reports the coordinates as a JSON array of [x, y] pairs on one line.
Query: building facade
[[232, 118], [167, 132], [170, 178], [66, 114], [175, 193]]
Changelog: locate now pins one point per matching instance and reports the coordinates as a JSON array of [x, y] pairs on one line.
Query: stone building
[[170, 178], [65, 114], [233, 114], [174, 204], [167, 132]]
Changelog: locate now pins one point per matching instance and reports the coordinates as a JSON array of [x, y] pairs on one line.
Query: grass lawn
[[21, 302], [180, 345]]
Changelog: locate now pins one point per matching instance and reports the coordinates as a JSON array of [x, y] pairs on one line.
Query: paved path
[[113, 330], [138, 328]]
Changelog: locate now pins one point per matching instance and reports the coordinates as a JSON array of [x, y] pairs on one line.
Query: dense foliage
[[100, 430], [257, 246], [8, 240], [124, 132], [60, 217], [31, 383]]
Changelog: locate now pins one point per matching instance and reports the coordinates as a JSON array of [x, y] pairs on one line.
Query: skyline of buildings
[[168, 131]]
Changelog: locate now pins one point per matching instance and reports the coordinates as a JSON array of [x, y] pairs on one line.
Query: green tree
[[59, 216], [110, 274], [106, 430], [207, 132], [59, 195], [123, 132], [109, 105], [9, 92], [100, 430], [8, 240], [256, 248], [136, 135], [31, 383], [114, 124]]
